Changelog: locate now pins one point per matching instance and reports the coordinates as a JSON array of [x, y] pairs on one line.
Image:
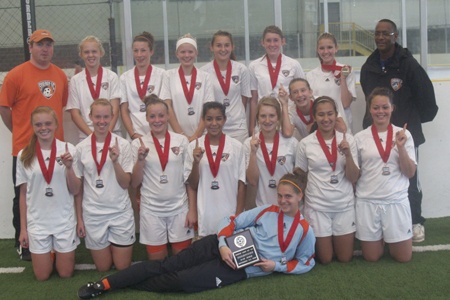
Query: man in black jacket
[[394, 67]]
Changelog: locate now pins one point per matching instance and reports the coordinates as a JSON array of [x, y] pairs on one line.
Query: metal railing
[[352, 37]]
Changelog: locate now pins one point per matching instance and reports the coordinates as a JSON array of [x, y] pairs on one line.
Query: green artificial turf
[[425, 277]]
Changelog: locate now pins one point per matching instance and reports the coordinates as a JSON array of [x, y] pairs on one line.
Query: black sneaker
[[24, 253], [91, 290]]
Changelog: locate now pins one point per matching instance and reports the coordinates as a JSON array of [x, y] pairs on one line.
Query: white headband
[[187, 40]]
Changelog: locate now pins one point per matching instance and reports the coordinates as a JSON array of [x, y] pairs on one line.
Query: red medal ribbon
[[332, 68], [302, 117], [384, 153], [224, 84], [104, 151], [142, 91], [331, 157], [94, 93], [270, 163], [284, 244], [214, 164], [274, 73], [48, 173], [189, 94], [163, 156]]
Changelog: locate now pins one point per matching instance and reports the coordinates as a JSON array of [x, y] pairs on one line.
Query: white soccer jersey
[[321, 194], [112, 198], [372, 185], [301, 127], [172, 89], [239, 86], [47, 215], [80, 96], [214, 205], [130, 94], [285, 164], [163, 199], [325, 84], [260, 79]]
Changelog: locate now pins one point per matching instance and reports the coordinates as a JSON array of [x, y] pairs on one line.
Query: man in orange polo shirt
[[34, 83]]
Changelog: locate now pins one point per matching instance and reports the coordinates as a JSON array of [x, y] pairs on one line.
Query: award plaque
[[243, 249]]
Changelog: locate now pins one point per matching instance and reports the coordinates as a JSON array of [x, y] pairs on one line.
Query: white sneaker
[[418, 233]]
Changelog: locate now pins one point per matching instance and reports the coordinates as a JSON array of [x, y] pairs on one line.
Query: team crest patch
[[337, 81], [281, 160], [47, 88], [285, 73], [150, 88], [175, 150], [235, 79], [396, 83], [105, 85], [225, 156], [198, 85], [59, 160]]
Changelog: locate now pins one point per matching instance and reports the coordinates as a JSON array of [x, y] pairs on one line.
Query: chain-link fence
[[69, 21]]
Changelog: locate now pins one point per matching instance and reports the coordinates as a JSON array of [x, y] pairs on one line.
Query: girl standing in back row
[[144, 79], [185, 89], [333, 79], [271, 71], [92, 83], [231, 82]]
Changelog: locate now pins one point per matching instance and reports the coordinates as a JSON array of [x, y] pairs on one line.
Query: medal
[[214, 164], [226, 102], [331, 157], [334, 179], [188, 93], [271, 163], [95, 93], [225, 85], [384, 153], [142, 107], [302, 116], [163, 156], [284, 244], [163, 179], [49, 192], [47, 172], [274, 72], [214, 185], [99, 183], [191, 111], [105, 149], [333, 68], [142, 90], [272, 183]]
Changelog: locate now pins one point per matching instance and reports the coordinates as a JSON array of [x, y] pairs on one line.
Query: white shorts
[[331, 223], [104, 230], [240, 134], [376, 220], [62, 242], [156, 231]]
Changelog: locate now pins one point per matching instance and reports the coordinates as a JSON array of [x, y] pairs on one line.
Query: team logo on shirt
[[47, 88], [105, 85], [198, 85], [337, 81], [285, 73], [235, 79], [396, 84], [281, 160], [59, 160], [175, 150], [150, 88], [225, 156]]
